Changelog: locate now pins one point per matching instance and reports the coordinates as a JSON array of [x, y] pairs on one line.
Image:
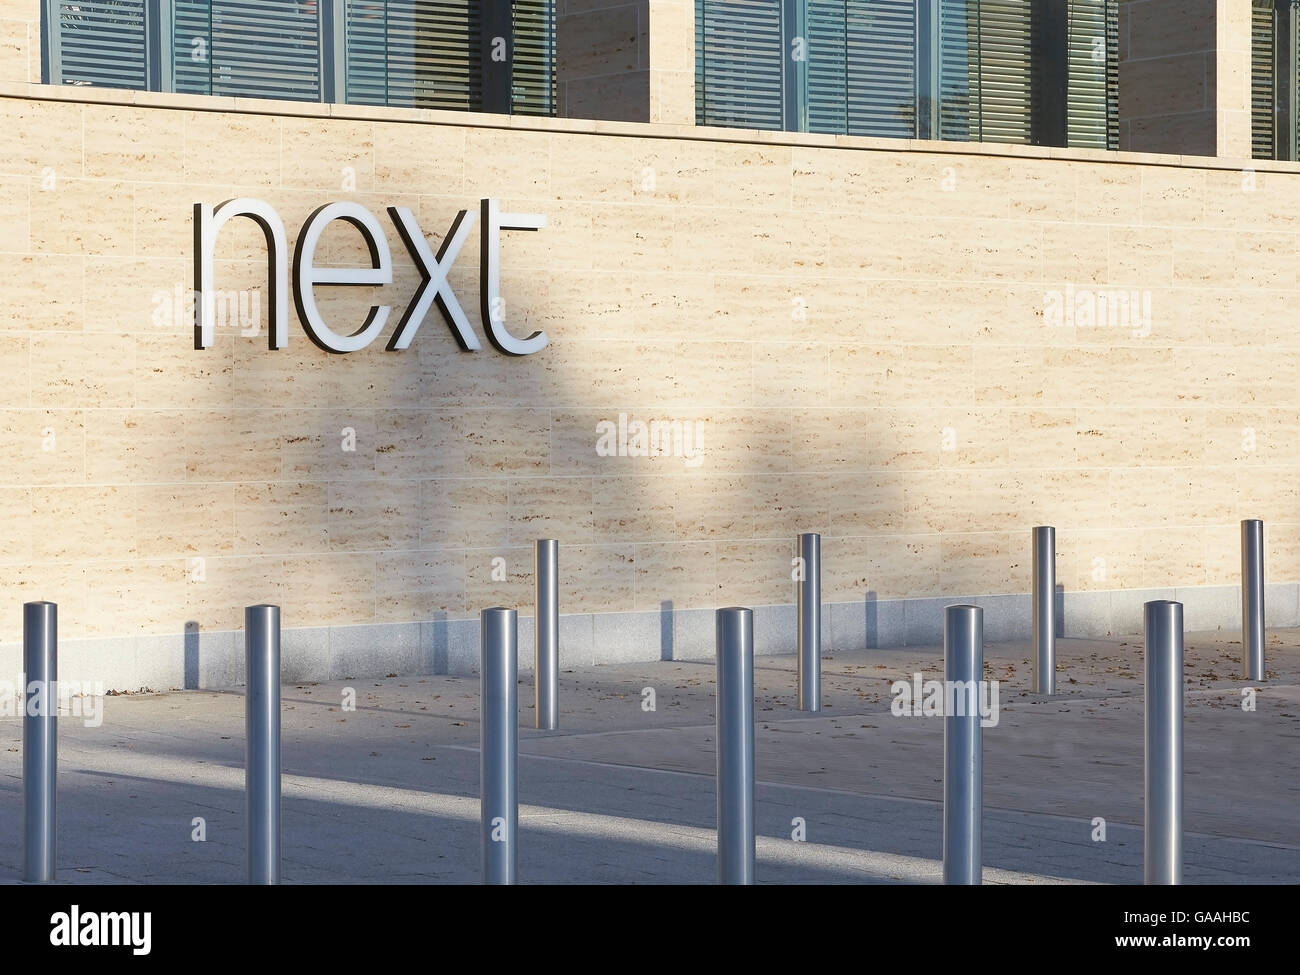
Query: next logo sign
[[433, 268]]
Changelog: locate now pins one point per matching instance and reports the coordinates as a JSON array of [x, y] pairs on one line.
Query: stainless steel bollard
[[735, 738], [40, 739], [498, 744], [1044, 610], [1163, 837], [546, 644], [810, 622], [963, 761], [1252, 599], [262, 742]]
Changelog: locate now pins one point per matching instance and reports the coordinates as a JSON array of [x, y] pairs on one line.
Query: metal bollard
[[810, 622], [735, 738], [963, 762], [262, 742], [1163, 837], [498, 744], [1044, 610], [546, 645], [1252, 598], [40, 738]]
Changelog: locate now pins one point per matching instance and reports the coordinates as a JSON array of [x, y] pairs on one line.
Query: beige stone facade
[[1184, 76], [626, 61], [20, 40], [886, 342]]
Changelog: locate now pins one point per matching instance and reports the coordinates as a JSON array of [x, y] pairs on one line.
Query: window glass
[[1094, 74], [416, 53], [873, 66], [102, 43], [862, 67], [738, 63], [250, 48], [1262, 47]]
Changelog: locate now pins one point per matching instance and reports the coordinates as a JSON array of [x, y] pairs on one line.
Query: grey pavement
[[621, 794]]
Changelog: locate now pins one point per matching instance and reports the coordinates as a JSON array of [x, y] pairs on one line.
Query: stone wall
[[886, 342]]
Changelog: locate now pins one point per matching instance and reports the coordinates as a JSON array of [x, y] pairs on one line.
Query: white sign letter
[[493, 222], [306, 275]]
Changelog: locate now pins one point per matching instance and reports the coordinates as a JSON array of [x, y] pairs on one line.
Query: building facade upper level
[[1190, 77]]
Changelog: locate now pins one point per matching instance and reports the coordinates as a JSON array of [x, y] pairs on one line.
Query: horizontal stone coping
[[89, 95]]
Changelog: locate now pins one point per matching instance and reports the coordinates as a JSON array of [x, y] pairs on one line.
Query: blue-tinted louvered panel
[[959, 92], [881, 91], [367, 53], [414, 53], [862, 67], [254, 48], [738, 63], [191, 40], [102, 43], [828, 65]]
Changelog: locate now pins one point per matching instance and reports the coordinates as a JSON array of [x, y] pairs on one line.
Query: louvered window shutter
[[101, 43], [370, 76], [255, 48], [987, 84], [533, 71], [192, 38], [738, 63], [862, 67], [1274, 79], [882, 58], [959, 91], [1002, 71], [1262, 102], [414, 53], [1093, 110], [828, 67]]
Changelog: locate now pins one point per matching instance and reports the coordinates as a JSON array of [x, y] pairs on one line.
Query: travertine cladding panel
[[630, 60], [20, 40], [893, 346], [1184, 76], [1232, 78]]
